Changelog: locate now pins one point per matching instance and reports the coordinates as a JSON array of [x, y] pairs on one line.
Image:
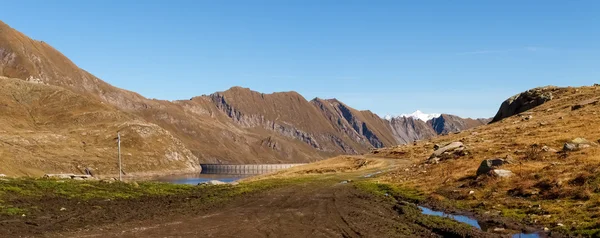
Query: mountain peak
[[418, 115]]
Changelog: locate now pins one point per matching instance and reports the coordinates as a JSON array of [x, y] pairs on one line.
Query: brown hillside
[[235, 126], [564, 184], [47, 129], [211, 137]]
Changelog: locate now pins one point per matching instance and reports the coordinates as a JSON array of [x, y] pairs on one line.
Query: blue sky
[[391, 57]]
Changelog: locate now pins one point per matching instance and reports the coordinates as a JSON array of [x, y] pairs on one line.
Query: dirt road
[[306, 210]]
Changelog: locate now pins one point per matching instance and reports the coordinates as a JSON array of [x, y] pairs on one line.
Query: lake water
[[195, 179], [471, 221]]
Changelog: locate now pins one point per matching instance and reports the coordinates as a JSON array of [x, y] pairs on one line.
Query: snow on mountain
[[422, 116], [416, 115]]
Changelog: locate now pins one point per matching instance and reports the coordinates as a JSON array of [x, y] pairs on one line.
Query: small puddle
[[470, 221], [464, 219]]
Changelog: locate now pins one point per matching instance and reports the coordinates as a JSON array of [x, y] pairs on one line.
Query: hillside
[[235, 126], [551, 149], [50, 129]]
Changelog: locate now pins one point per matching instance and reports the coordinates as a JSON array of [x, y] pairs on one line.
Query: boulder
[[523, 102], [570, 147], [502, 173], [490, 164], [548, 149], [59, 176], [440, 145], [577, 144], [212, 182], [450, 147]]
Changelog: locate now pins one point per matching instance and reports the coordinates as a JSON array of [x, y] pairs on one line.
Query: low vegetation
[[31, 196], [390, 190], [405, 199]]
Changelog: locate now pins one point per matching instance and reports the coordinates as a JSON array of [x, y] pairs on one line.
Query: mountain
[[445, 124], [234, 126], [408, 128], [422, 116]]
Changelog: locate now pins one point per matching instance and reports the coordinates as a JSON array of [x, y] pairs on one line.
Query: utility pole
[[119, 152]]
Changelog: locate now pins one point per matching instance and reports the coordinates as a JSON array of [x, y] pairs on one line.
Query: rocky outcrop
[[446, 124], [447, 151], [488, 165], [359, 126], [501, 173], [578, 144], [363, 127], [407, 130], [524, 101]]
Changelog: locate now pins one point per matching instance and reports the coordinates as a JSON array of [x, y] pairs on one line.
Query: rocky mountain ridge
[[234, 126]]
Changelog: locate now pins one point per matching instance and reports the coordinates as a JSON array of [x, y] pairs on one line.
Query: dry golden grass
[[344, 166], [48, 129], [565, 185]]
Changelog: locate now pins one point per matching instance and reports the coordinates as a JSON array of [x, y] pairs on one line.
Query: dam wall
[[244, 168]]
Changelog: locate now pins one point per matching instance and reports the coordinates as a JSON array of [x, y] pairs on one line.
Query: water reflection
[[463, 219], [197, 178], [470, 221]]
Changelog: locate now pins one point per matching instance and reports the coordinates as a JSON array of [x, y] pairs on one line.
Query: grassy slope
[[548, 189], [47, 129]]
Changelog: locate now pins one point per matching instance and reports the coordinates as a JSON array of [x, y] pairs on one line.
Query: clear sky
[[391, 57]]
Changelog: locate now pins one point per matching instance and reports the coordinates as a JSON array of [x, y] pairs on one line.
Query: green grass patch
[[87, 190], [11, 211], [518, 214], [390, 190], [29, 196]]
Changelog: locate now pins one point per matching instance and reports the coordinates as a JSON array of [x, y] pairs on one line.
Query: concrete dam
[[244, 168]]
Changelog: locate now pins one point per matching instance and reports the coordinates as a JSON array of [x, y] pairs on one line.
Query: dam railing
[[244, 168]]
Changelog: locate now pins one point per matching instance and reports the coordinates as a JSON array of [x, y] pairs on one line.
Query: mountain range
[[60, 118]]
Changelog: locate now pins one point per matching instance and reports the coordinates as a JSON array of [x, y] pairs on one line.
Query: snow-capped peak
[[417, 115], [422, 116]]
